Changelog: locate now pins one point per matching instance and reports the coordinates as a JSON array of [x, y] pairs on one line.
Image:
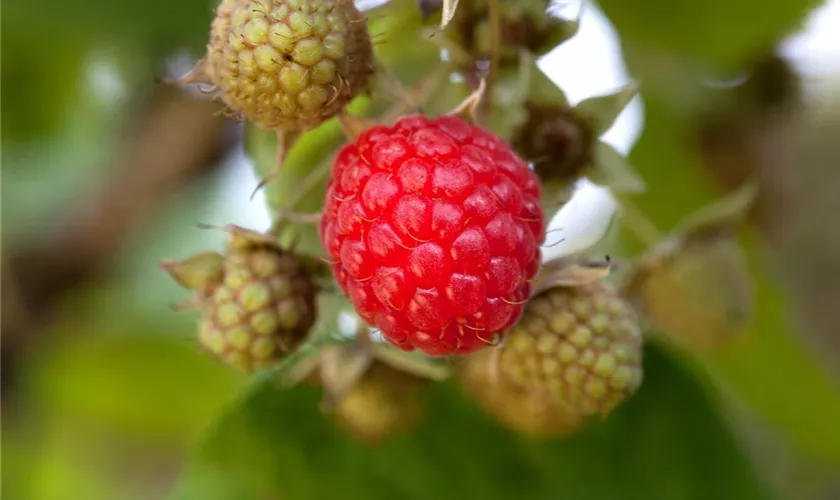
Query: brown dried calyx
[[557, 140], [524, 26]]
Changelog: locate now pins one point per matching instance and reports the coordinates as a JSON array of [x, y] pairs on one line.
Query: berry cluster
[[432, 228]]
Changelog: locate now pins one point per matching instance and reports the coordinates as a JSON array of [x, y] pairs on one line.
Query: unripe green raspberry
[[288, 64], [257, 301], [696, 290], [510, 404], [579, 346], [383, 402]]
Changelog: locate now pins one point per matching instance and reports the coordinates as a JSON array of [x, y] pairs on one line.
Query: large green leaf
[[666, 443], [713, 31], [770, 369]]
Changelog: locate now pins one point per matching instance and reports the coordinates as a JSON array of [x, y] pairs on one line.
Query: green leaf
[[770, 369], [729, 209], [517, 85], [712, 31], [603, 110], [612, 169], [666, 443]]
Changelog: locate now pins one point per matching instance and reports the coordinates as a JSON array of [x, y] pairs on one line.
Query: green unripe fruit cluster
[[257, 300], [289, 64], [579, 346], [262, 310], [510, 404]]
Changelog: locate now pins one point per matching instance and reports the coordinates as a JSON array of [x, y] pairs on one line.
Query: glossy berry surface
[[434, 230]]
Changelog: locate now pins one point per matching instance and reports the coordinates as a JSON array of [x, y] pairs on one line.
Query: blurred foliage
[[157, 26], [103, 398], [715, 32], [108, 404], [278, 445], [769, 368]]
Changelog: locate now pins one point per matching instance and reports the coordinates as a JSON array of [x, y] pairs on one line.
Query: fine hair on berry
[[434, 228]]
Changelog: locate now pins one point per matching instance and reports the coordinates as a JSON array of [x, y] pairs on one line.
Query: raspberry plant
[[423, 208], [431, 221], [430, 312]]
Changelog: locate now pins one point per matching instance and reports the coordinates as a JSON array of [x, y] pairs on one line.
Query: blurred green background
[[106, 171]]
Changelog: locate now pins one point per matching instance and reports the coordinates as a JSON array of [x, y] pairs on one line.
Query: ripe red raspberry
[[434, 227]]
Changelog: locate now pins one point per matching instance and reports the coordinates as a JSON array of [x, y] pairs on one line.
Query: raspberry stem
[[285, 142], [642, 228], [410, 363], [495, 19], [198, 74], [468, 108]]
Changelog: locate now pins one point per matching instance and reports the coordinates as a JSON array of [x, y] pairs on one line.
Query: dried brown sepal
[[557, 140], [523, 25], [198, 74], [448, 9], [193, 302], [354, 125], [571, 273], [469, 107]]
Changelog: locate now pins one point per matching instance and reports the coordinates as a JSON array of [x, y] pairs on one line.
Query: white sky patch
[[238, 180], [590, 64], [348, 324], [580, 223], [815, 52], [103, 78]]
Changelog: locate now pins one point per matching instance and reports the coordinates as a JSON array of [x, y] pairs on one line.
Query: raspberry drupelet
[[434, 227]]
